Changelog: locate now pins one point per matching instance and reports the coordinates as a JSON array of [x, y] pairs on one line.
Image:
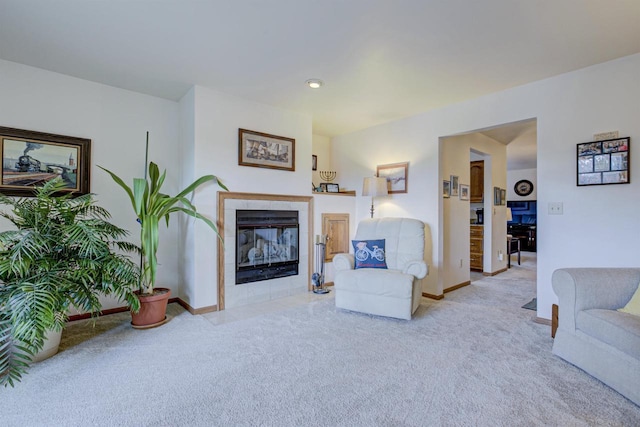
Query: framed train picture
[[30, 159]]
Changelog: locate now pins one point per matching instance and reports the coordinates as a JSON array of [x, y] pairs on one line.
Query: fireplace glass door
[[267, 245]]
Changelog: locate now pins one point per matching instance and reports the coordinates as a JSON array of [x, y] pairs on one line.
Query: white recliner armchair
[[392, 292]]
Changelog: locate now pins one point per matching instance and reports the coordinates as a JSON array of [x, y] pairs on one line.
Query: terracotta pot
[[153, 309]]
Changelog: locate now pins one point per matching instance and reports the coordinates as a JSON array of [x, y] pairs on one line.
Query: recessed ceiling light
[[314, 83]]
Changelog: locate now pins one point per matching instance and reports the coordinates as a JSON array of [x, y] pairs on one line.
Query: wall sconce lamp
[[374, 187]]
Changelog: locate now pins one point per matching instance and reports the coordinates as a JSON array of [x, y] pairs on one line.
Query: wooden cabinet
[[336, 227], [476, 247], [476, 185]]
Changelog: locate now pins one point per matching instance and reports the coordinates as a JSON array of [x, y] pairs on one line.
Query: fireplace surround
[[232, 295]]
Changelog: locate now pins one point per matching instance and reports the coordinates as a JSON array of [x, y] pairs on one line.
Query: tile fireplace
[[271, 233]]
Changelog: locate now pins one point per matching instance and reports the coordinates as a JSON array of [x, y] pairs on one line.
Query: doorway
[[480, 231], [515, 161], [520, 139]]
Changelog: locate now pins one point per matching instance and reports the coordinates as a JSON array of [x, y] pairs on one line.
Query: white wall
[[327, 203], [598, 228], [186, 242], [197, 136], [455, 157], [322, 149], [217, 118], [116, 121], [599, 225]]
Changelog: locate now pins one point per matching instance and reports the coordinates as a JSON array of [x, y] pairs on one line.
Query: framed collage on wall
[[603, 162]]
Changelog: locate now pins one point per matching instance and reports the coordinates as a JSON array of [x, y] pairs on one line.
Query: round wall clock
[[524, 187]]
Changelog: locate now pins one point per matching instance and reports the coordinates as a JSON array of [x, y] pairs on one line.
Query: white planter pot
[[51, 344]]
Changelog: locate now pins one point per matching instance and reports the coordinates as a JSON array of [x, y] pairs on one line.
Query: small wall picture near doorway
[[454, 185], [446, 189], [464, 192]]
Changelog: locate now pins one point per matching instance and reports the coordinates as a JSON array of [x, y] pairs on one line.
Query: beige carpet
[[472, 359]]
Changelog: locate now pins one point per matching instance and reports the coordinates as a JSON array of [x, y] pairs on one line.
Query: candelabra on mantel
[[327, 186], [328, 176]]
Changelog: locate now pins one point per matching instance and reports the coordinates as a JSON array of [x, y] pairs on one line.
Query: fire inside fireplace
[[266, 245]]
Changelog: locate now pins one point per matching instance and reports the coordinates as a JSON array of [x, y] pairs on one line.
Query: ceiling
[[521, 139], [380, 59]]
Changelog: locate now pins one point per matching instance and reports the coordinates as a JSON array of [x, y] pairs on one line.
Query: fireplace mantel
[[261, 201]]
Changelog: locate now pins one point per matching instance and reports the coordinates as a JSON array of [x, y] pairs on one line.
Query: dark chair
[[513, 246]]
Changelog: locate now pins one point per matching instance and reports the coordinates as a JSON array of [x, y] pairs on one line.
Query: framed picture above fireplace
[[263, 150]]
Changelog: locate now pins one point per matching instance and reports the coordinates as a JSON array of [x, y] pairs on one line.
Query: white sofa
[[392, 292], [592, 334]]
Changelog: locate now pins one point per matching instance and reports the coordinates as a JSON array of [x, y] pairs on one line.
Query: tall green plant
[[63, 253], [151, 206]]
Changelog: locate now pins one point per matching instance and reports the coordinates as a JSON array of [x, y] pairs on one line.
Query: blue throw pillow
[[369, 253]]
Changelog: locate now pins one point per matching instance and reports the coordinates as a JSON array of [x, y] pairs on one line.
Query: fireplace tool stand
[[317, 278]]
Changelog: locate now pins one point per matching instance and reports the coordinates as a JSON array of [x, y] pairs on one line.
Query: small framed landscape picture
[[464, 192], [396, 175], [454, 185], [332, 188], [446, 189]]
